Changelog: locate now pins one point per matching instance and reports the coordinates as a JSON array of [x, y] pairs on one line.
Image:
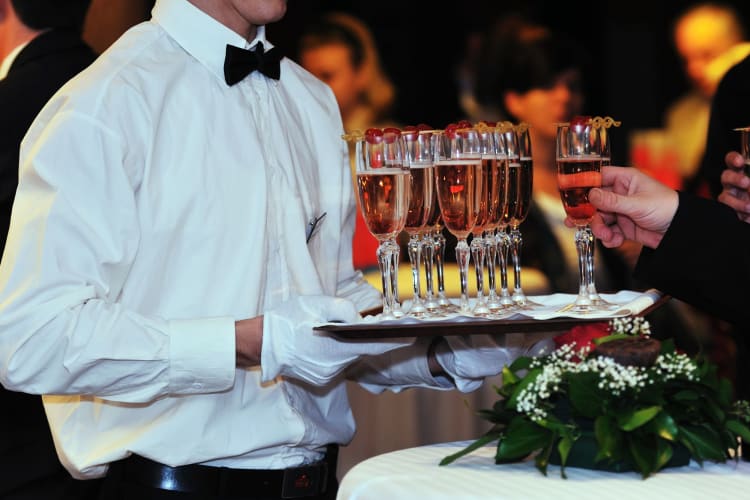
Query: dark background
[[633, 74]]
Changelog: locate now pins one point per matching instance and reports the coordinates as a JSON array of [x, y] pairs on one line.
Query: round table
[[414, 473]]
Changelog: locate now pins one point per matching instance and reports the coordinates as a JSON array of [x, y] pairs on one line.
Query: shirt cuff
[[202, 355]]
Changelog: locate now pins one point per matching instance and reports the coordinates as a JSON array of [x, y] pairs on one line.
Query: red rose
[[583, 335]]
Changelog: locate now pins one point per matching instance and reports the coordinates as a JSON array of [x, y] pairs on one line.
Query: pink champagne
[[459, 189], [575, 177], [384, 200], [421, 195], [497, 193], [488, 165], [520, 185]]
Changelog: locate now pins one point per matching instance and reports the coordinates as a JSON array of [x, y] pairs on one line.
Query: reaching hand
[[291, 348], [631, 206], [736, 186]]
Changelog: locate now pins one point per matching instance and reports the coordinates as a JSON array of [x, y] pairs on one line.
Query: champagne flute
[[497, 193], [418, 157], [383, 188], [578, 170], [520, 186], [605, 148], [458, 165]]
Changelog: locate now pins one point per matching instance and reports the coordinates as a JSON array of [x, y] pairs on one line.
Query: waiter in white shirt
[[165, 194]]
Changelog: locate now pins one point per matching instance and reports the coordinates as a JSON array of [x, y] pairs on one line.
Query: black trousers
[[136, 478], [29, 467]]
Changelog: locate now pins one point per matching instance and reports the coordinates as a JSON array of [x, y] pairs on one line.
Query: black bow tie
[[239, 63]]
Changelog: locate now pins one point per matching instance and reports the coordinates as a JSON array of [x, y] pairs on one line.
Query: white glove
[[291, 348], [468, 359]]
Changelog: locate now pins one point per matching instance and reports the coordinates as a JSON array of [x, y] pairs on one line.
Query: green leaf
[[644, 455], [584, 393], [563, 448], [663, 453], [664, 426], [609, 338], [521, 363], [705, 443], [487, 438], [738, 429], [685, 395], [608, 436], [521, 438], [633, 419], [529, 379], [509, 377], [542, 458]]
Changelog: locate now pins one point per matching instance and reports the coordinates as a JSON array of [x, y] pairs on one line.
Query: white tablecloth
[[414, 474]]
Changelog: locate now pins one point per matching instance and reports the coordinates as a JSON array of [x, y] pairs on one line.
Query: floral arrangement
[[639, 403]]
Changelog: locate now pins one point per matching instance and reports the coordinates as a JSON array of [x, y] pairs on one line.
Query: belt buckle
[[304, 481]]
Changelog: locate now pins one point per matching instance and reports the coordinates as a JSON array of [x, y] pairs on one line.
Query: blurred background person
[[40, 50], [527, 73], [709, 38], [339, 49]]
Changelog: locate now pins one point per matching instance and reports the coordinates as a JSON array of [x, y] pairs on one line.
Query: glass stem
[[516, 244], [490, 243], [394, 261], [428, 256], [462, 259], [477, 253], [503, 243], [415, 256], [439, 260], [583, 246], [384, 262]]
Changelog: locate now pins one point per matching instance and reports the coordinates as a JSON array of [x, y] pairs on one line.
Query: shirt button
[[197, 385]]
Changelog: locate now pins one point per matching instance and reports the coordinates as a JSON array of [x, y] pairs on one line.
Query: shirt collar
[[201, 35], [8, 61]]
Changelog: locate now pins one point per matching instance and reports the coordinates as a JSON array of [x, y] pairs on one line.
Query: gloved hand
[[291, 348], [469, 359]]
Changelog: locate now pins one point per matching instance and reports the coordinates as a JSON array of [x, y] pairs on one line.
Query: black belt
[[295, 482]]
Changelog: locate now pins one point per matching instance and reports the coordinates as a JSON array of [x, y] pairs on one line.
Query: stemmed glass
[[497, 193], [418, 155], [605, 149], [478, 246], [520, 185], [578, 151], [383, 187], [458, 165]]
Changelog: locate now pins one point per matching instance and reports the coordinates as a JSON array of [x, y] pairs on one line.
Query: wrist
[[248, 334], [436, 369]]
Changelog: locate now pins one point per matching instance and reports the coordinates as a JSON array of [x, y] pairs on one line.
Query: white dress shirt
[[156, 206]]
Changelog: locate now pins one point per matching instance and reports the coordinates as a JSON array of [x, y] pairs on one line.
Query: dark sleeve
[[730, 109], [703, 259]]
